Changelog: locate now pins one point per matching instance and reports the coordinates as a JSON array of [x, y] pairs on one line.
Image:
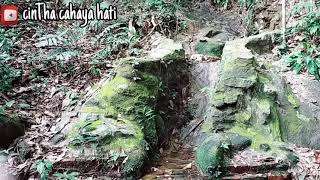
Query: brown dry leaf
[[24, 89], [188, 166], [48, 113], [317, 156]]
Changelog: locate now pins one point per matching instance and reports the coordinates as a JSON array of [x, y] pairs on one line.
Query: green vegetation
[[248, 3], [122, 123], [160, 14], [243, 3], [306, 55], [66, 175], [210, 48], [43, 167], [8, 38], [210, 156]]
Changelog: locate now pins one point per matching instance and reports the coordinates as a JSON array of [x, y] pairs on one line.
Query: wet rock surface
[[303, 95]]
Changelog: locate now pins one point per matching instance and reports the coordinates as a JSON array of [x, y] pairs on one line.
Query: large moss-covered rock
[[250, 103], [210, 156], [10, 129], [213, 152], [121, 123]]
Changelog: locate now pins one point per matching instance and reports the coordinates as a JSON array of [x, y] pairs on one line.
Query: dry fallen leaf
[[188, 166], [48, 113], [317, 156]]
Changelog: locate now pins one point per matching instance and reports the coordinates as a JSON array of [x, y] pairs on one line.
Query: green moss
[[134, 163], [126, 70], [122, 96], [115, 86], [232, 95], [229, 96], [207, 126], [109, 110], [128, 143], [74, 132], [237, 64], [275, 123], [109, 141], [263, 79], [127, 97], [263, 105], [267, 109], [210, 156], [94, 125], [218, 99], [243, 117], [256, 136], [210, 48], [293, 100]]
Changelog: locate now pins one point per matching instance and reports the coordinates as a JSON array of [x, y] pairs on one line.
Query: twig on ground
[[4, 97], [193, 129]]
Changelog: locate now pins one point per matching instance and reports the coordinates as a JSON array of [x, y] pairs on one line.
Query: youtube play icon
[[9, 15]]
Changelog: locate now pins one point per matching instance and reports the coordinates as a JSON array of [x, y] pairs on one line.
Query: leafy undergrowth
[[305, 54], [44, 63], [41, 61]]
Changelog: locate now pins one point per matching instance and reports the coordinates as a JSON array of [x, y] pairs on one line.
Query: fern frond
[[61, 54], [50, 40]]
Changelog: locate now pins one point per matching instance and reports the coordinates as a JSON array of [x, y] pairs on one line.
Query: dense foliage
[[7, 73], [306, 55], [243, 3]]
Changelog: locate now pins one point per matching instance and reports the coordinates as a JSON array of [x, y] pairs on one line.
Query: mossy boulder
[[238, 142], [10, 129], [210, 48], [248, 102], [213, 153], [121, 123], [210, 155], [211, 41]]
